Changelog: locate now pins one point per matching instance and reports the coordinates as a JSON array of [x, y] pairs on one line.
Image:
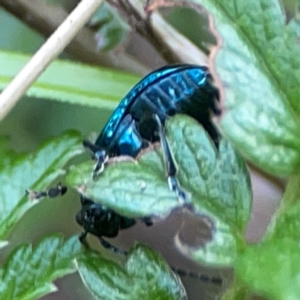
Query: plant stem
[[173, 46], [50, 50], [185, 50]]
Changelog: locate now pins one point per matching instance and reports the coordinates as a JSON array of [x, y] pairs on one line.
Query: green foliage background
[[258, 66]]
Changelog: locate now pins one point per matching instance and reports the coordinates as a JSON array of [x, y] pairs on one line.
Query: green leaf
[[217, 179], [129, 188], [145, 276], [236, 291], [28, 273], [219, 184], [272, 269], [216, 182], [71, 82], [32, 171], [111, 28], [275, 257], [5, 150], [286, 221], [258, 64], [17, 36], [294, 25]]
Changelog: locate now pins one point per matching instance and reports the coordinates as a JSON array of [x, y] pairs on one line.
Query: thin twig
[[50, 50], [173, 46], [45, 18], [139, 21], [186, 51]]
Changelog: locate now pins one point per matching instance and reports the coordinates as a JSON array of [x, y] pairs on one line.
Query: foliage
[[28, 273], [146, 275], [88, 86], [111, 28], [257, 68], [217, 183]]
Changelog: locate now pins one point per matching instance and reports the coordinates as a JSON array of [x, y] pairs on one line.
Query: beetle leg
[[99, 154], [170, 163], [59, 190], [102, 159], [111, 247], [83, 241], [147, 221]]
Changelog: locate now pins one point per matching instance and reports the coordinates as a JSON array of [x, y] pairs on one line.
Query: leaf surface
[[145, 276]]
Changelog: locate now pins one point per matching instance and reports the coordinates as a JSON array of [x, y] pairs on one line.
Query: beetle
[[96, 219], [183, 88], [101, 222], [139, 120]]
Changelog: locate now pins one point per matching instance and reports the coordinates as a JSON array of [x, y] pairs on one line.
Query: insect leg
[[204, 278], [99, 154], [111, 247], [147, 221], [170, 163], [82, 239], [59, 190]]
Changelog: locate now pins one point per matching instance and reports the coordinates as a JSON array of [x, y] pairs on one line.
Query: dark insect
[[102, 222], [173, 89], [95, 219], [138, 121], [186, 89]]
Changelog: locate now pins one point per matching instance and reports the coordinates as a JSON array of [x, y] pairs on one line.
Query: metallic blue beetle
[[184, 88]]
